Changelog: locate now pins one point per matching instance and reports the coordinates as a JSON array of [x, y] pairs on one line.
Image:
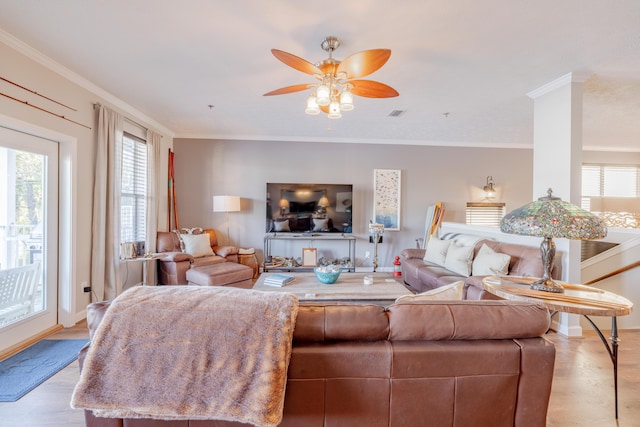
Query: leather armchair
[[173, 264]]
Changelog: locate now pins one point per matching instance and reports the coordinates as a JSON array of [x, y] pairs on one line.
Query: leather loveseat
[[424, 276], [416, 363]]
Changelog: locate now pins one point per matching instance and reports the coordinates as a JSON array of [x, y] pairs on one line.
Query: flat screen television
[[309, 208]]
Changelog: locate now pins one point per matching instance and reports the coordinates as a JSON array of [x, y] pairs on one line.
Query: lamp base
[[547, 285]]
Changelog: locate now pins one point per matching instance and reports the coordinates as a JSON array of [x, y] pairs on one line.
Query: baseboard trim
[[28, 342]]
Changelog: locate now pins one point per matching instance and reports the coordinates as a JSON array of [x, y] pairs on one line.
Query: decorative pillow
[[196, 245], [437, 250], [488, 262], [320, 224], [281, 225], [459, 259], [448, 292], [181, 231]]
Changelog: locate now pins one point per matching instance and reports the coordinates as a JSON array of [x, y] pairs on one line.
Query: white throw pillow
[[437, 250], [489, 262], [320, 224], [448, 292], [281, 226], [459, 259], [196, 245]]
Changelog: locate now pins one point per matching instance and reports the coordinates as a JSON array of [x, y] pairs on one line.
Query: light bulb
[[312, 106], [346, 101], [334, 110], [322, 95]]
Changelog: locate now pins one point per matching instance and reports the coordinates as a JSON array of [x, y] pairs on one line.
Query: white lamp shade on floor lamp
[[226, 204]]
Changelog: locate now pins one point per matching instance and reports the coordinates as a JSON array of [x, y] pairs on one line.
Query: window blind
[[134, 189], [485, 214]]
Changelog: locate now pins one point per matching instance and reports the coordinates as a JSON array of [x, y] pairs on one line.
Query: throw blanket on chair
[[190, 352]]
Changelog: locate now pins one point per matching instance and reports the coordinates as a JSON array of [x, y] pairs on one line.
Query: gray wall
[[454, 176]]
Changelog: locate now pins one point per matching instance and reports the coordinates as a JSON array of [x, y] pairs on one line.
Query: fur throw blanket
[[190, 352]]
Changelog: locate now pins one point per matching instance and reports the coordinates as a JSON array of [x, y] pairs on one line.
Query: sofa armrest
[[225, 251], [175, 257], [413, 253]]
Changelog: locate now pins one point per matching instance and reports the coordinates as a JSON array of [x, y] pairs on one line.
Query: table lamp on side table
[[550, 217]]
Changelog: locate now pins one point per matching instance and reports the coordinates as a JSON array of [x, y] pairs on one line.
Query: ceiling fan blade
[[371, 89], [324, 108], [296, 62], [290, 89], [364, 63]]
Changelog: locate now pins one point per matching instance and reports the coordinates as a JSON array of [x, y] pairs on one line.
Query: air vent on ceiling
[[396, 113]]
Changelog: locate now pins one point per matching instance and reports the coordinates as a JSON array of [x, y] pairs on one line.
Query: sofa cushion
[[437, 250], [489, 262], [458, 259], [196, 245], [340, 322], [466, 320], [452, 291]]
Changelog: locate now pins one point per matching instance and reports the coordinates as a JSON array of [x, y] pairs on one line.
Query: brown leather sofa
[[174, 264], [433, 363], [424, 276]]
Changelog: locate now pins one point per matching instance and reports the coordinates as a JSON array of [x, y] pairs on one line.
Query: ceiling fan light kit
[[333, 93]]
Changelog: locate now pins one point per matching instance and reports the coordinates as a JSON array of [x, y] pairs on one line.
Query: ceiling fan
[[338, 80]]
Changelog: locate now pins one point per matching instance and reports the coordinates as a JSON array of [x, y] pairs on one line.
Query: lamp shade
[[551, 217], [226, 204]]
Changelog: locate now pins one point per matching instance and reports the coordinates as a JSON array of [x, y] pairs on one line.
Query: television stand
[[312, 240]]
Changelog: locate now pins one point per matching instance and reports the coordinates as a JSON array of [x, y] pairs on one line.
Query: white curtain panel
[[105, 246], [153, 204]]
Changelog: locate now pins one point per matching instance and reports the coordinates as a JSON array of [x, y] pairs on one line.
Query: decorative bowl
[[327, 274]]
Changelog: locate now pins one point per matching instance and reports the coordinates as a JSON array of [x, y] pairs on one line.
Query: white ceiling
[[475, 60]]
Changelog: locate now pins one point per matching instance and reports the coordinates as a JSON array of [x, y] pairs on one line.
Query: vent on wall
[[396, 113]]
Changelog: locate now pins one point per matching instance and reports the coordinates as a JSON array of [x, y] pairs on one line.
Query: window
[[485, 214], [610, 181], [134, 189]]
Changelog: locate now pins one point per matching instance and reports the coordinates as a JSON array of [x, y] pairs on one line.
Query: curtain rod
[[60, 116]]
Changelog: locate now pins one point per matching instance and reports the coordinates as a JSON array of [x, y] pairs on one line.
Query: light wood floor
[[582, 393]]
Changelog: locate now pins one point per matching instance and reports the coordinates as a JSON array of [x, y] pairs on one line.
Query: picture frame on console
[[309, 257]]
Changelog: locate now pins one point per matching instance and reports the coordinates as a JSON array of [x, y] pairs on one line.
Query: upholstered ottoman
[[222, 274]]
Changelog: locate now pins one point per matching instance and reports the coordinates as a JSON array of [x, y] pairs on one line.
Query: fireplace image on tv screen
[[309, 208]]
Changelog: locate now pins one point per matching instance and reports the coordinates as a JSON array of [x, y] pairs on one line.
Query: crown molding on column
[[63, 71], [574, 77]]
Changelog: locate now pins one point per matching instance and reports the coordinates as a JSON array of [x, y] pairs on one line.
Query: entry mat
[[24, 371]]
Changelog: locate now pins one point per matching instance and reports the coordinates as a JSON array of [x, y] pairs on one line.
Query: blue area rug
[[24, 371]]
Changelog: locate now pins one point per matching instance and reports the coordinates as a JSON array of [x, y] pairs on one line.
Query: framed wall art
[[386, 198]]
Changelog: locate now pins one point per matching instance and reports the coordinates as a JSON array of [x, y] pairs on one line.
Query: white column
[[557, 164]]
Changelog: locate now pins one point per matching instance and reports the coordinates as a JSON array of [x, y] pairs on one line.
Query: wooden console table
[[577, 299]]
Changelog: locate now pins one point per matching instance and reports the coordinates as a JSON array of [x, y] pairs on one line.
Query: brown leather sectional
[[433, 363]]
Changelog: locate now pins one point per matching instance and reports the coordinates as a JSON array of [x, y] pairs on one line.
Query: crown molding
[[574, 77], [63, 71]]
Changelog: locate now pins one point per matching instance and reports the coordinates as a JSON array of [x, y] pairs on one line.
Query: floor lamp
[[226, 204]]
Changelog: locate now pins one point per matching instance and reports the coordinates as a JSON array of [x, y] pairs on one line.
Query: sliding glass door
[[28, 236]]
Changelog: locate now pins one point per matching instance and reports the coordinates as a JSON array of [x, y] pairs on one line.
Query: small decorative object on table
[[328, 274]]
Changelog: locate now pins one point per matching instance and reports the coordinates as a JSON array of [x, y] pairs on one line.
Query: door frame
[[67, 211]]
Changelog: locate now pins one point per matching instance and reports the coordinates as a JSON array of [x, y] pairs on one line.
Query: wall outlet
[[367, 254], [85, 287]]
